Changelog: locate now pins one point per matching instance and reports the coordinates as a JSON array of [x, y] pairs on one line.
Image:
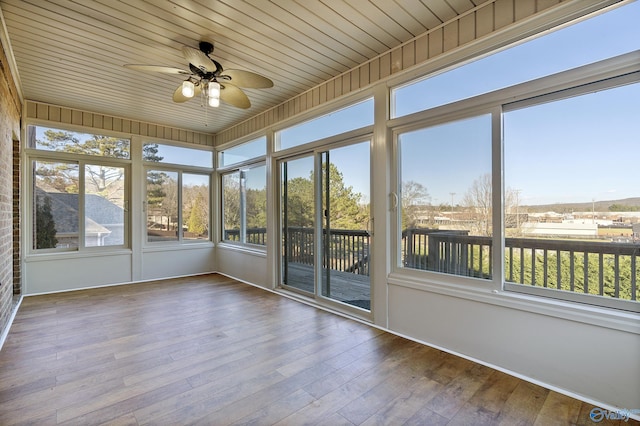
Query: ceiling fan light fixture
[[188, 89], [214, 102]]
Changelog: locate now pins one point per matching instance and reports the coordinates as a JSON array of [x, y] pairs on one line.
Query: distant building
[[568, 229]]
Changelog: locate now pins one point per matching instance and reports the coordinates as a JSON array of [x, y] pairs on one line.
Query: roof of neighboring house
[[64, 209]]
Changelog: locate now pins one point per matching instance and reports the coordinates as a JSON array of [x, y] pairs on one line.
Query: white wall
[[59, 273], [590, 361], [248, 266]]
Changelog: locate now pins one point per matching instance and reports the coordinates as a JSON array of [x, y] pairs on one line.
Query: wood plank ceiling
[[71, 53]]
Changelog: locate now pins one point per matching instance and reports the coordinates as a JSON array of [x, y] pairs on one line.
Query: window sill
[[74, 254], [176, 246], [254, 250]]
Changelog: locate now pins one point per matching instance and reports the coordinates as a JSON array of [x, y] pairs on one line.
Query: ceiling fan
[[206, 76]]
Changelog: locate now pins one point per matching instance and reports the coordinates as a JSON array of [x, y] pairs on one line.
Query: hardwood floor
[[209, 350]]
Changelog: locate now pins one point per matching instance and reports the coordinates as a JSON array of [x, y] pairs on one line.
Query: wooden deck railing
[[254, 235], [348, 249], [600, 268]]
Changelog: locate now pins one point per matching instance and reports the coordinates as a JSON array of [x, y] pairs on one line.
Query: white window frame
[[221, 171], [609, 73], [180, 169], [32, 155]]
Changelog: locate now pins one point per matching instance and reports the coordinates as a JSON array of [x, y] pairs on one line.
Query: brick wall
[[10, 113]]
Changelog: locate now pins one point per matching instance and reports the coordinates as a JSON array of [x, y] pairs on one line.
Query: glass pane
[[243, 152], [161, 153], [231, 206], [604, 36], [162, 206], [255, 187], [104, 206], [245, 206], [572, 202], [77, 143], [56, 205], [445, 198], [335, 123], [298, 224], [346, 238], [195, 206]]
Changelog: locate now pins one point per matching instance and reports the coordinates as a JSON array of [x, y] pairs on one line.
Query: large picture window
[[573, 223], [79, 187], [561, 161]]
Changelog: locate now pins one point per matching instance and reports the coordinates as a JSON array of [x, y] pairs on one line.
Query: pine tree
[[45, 225]]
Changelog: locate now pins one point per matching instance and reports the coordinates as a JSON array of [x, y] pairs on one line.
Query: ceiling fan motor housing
[[205, 47]]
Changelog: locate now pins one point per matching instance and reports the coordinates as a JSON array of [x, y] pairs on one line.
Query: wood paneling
[[56, 114], [211, 350]]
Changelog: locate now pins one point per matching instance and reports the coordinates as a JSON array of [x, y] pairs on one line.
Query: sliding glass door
[[325, 200]]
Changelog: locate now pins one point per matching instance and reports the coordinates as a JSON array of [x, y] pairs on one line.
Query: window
[[79, 189], [243, 152], [445, 206], [56, 140], [177, 193], [569, 212], [174, 214], [604, 36], [162, 153], [340, 121], [244, 193], [571, 199]]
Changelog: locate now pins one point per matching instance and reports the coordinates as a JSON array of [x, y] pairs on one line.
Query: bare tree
[[477, 200], [414, 198]]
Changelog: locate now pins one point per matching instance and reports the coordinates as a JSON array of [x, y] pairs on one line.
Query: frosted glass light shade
[[188, 89], [214, 90], [214, 102]]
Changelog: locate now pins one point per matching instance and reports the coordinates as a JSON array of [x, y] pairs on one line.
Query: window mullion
[[81, 205], [497, 191]]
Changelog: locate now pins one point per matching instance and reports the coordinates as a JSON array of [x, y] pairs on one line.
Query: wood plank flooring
[[212, 351]]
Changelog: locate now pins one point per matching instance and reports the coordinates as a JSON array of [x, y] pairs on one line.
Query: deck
[[345, 287]]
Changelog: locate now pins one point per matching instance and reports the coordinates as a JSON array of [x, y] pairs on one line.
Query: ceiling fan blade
[[247, 79], [157, 68], [234, 96], [198, 59], [178, 97]]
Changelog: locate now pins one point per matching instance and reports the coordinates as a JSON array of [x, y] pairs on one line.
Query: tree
[[45, 225], [299, 202], [256, 208], [345, 211], [414, 197], [478, 200], [100, 179], [198, 222]]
